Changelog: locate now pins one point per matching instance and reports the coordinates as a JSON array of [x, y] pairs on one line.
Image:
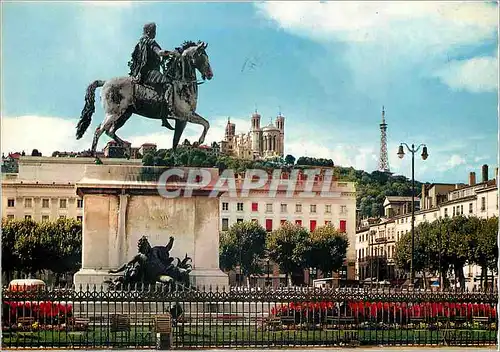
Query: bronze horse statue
[[121, 97]]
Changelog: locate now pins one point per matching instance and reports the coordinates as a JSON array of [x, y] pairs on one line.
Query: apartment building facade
[[378, 238], [43, 189], [272, 210]]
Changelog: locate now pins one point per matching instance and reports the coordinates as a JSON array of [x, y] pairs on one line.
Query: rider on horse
[[146, 62]]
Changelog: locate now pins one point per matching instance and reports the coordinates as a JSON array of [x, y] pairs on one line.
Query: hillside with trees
[[371, 188]]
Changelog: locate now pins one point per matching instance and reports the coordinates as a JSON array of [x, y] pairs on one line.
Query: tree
[[290, 159], [403, 253], [10, 261], [288, 246], [328, 248], [460, 230], [437, 249], [30, 247], [483, 246], [148, 159], [243, 244], [66, 246]]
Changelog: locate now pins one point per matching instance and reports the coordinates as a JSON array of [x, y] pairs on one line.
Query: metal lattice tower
[[383, 164]]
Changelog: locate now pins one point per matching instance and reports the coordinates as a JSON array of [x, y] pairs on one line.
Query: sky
[[328, 67]]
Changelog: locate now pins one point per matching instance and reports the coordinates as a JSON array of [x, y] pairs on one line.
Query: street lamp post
[[424, 155]]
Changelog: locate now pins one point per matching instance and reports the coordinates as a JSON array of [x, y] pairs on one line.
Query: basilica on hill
[[259, 143]]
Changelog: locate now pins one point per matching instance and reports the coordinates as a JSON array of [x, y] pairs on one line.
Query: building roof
[[401, 199], [270, 127]]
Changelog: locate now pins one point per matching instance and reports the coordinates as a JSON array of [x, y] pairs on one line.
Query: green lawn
[[221, 336]]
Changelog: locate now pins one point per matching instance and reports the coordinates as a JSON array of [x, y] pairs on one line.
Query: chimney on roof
[[484, 173], [472, 178]]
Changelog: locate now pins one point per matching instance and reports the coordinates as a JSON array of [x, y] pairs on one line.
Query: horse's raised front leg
[[199, 120]]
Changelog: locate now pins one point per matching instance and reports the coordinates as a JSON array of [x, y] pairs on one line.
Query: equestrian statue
[[162, 85], [153, 265]]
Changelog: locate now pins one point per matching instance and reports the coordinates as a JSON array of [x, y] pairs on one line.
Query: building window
[[283, 221], [445, 212], [10, 216], [313, 208], [328, 208], [298, 208], [327, 222], [255, 206], [225, 206], [269, 225], [283, 208], [453, 211], [62, 203], [343, 226], [11, 202], [45, 218], [461, 210], [62, 217], [312, 225], [239, 220], [45, 203], [79, 203], [343, 209], [28, 202], [298, 222], [27, 217], [470, 208], [483, 203], [255, 220], [269, 208], [225, 224], [239, 207]]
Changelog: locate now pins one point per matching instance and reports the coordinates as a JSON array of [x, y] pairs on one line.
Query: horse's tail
[[88, 109]]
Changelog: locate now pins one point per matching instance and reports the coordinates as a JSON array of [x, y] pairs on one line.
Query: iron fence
[[206, 318]]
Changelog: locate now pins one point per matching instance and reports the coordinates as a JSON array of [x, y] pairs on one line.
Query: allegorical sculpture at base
[[153, 265], [161, 85]]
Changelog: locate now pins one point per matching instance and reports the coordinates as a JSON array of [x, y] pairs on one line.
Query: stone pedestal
[[123, 203]]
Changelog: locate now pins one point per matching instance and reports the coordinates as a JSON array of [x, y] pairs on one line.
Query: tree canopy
[[31, 247], [449, 244], [327, 248], [243, 245]]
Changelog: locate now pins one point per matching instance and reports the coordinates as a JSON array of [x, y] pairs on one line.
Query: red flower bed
[[44, 312], [389, 312]]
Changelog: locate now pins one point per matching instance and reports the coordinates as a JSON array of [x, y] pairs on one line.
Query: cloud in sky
[[453, 161], [45, 133], [394, 36], [479, 74]]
